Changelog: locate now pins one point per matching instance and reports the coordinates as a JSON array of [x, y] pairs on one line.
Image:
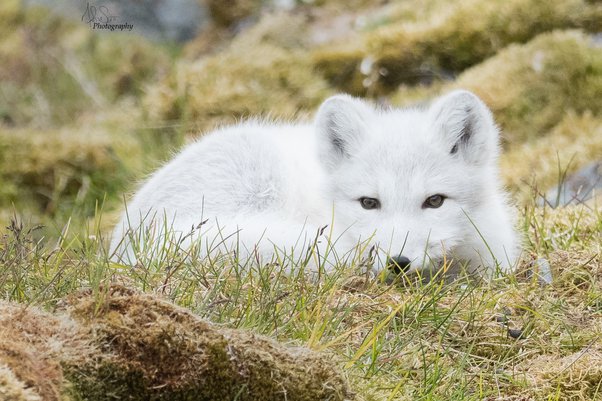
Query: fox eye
[[369, 203], [433, 202]]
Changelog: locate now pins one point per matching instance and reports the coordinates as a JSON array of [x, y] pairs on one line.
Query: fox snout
[[398, 264]]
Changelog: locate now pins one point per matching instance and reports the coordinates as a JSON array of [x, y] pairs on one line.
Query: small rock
[[544, 272], [516, 333], [502, 319], [597, 40], [577, 188]]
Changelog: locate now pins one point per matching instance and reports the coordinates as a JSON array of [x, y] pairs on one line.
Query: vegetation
[[435, 39], [44, 58], [84, 116], [216, 90], [116, 343]]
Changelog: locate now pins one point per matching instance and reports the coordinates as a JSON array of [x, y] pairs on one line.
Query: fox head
[[408, 181]]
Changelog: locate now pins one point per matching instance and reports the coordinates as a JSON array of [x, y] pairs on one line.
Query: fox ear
[[466, 126], [341, 124]]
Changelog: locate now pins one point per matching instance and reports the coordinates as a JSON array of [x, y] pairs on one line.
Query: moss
[[542, 162], [530, 87], [61, 169], [246, 80], [156, 350], [123, 344], [229, 12], [454, 37]]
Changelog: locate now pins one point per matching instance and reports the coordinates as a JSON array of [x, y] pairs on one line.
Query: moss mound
[[59, 169], [529, 86], [448, 39], [544, 161], [246, 80], [123, 344], [156, 350]]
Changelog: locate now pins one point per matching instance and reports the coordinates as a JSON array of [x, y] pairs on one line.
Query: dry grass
[[13, 389], [577, 376]]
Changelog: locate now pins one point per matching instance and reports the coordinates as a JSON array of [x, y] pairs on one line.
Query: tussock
[[527, 85], [452, 37], [125, 344], [217, 89], [156, 350], [57, 170]]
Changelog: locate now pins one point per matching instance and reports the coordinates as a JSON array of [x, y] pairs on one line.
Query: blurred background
[[94, 95]]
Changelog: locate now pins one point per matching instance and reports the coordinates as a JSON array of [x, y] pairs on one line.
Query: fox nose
[[398, 264]]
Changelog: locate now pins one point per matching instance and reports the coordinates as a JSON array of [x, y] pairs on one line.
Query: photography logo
[[101, 18]]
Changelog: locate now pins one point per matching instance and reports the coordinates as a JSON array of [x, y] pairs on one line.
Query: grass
[[464, 340]]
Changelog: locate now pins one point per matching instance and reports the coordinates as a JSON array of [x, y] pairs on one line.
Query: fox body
[[419, 186]]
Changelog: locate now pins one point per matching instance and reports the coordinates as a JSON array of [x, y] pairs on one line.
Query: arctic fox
[[419, 186]]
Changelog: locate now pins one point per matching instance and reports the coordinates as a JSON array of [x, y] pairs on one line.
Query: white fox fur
[[276, 186]]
